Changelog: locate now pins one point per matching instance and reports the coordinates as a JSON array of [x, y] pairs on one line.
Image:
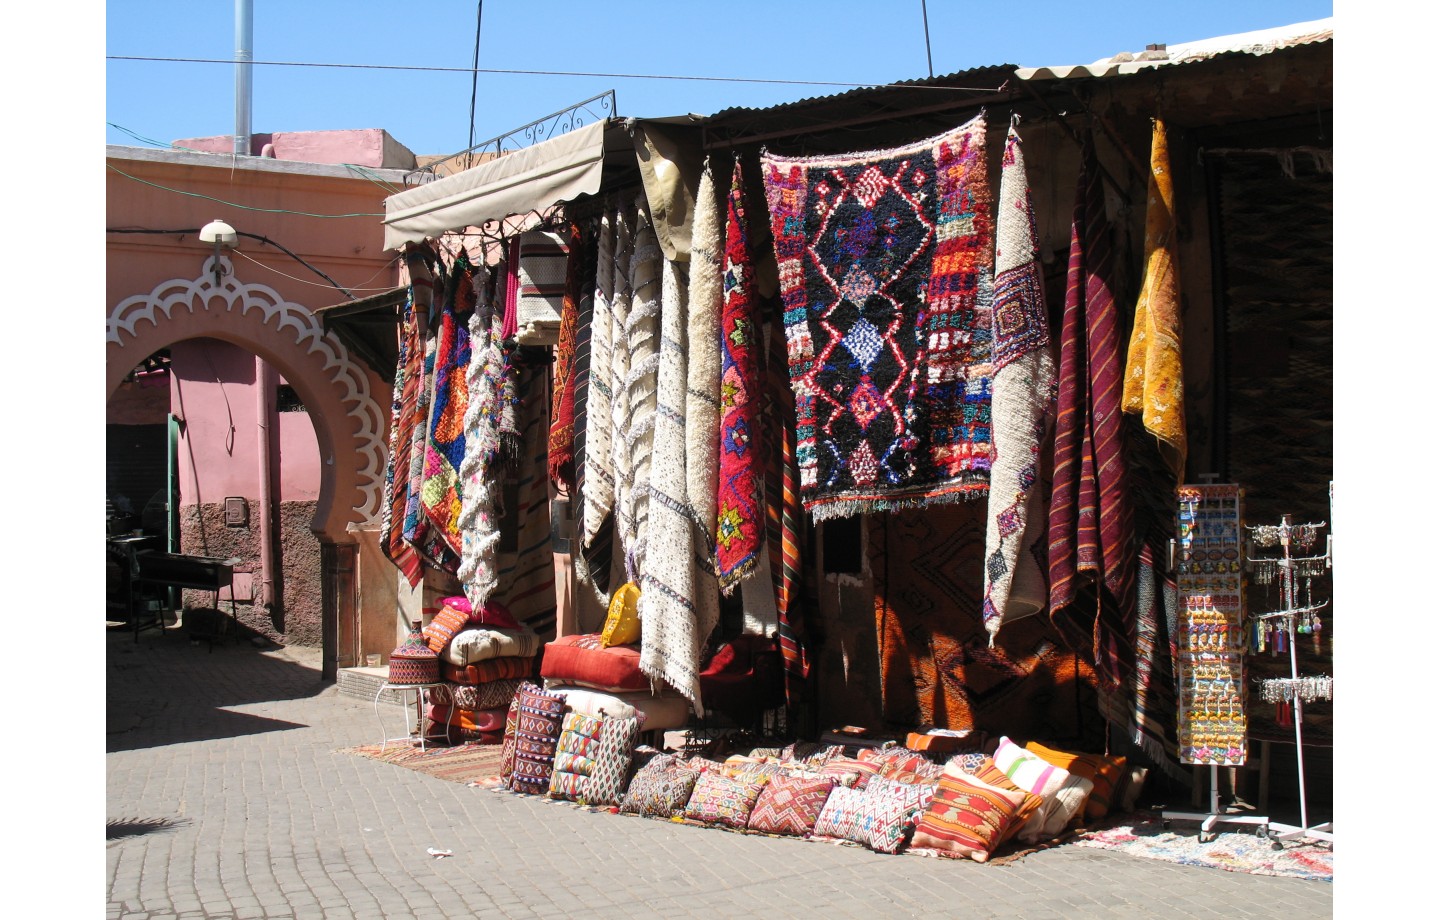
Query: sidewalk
[[225, 798]]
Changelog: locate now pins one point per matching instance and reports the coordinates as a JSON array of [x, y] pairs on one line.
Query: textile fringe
[[977, 488]]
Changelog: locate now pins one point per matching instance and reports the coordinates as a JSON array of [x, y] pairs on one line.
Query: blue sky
[[845, 41]]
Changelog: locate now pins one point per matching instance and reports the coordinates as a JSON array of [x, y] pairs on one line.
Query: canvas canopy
[[559, 169]]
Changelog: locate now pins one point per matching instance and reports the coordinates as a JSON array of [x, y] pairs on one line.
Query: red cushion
[[483, 720], [584, 658]]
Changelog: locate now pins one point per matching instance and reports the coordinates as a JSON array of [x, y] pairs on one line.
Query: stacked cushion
[[476, 644], [575, 752], [491, 613], [585, 661], [486, 671], [660, 789], [495, 694], [1104, 773]]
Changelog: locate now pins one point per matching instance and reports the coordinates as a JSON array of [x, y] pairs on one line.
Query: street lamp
[[223, 236]]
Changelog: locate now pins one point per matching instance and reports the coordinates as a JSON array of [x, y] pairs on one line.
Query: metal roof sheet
[[1260, 42]]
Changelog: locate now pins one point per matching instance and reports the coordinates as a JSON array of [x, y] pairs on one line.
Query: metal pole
[[925, 13], [244, 57]]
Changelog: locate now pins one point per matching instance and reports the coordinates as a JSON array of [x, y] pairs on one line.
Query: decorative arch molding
[[349, 423]]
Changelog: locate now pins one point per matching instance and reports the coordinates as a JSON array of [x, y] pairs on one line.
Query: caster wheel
[[1165, 825], [1207, 837]]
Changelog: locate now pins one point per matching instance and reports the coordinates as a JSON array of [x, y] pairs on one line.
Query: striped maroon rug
[[463, 763]]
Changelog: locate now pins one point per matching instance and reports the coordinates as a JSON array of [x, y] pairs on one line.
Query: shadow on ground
[[162, 689]]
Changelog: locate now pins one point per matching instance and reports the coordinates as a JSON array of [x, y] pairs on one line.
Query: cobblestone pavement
[[226, 798]]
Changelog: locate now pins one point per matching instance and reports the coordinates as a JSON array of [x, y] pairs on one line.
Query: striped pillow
[[790, 805], [1044, 779], [1104, 772], [967, 816]]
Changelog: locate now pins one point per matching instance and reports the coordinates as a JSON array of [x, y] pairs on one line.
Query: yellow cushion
[[622, 623], [1105, 772]]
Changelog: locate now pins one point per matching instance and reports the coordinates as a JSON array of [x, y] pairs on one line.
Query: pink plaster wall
[[363, 147], [211, 389]]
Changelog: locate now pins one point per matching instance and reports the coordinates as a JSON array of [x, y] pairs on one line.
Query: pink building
[[238, 425]]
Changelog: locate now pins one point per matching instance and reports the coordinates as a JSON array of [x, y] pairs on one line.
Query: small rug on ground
[[1146, 836], [463, 763]]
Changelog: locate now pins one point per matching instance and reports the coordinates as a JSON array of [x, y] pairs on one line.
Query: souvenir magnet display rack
[[1209, 574], [1295, 564]]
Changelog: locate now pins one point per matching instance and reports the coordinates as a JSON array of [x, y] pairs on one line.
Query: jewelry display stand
[[1212, 726], [1277, 630]]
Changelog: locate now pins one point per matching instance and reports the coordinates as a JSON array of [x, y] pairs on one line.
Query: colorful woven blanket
[[397, 464], [739, 528], [1023, 405], [440, 492], [1091, 540], [480, 497], [885, 269], [1154, 373]]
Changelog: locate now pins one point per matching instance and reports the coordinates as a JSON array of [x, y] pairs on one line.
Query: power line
[[557, 73], [475, 77]]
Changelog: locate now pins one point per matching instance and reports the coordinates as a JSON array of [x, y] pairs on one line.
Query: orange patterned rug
[[477, 764]]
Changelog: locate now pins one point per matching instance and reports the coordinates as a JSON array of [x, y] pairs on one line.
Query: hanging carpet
[[1091, 548], [562, 399], [885, 271], [440, 489], [937, 666], [1023, 406], [397, 464]]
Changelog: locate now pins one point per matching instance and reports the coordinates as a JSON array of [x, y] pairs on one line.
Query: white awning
[[559, 169]]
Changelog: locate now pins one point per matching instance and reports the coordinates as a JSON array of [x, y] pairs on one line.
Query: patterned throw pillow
[[967, 817], [485, 672], [843, 767], [843, 816], [968, 763], [612, 761], [475, 644], [718, 799], [443, 628], [812, 752], [1031, 818], [537, 730], [790, 804], [660, 789], [1103, 772]]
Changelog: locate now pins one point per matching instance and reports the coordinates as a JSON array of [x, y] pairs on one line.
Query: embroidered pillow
[[486, 671], [612, 761], [622, 621], [968, 763], [537, 729], [843, 816], [812, 752], [1103, 772], [1040, 777], [892, 809], [443, 628], [790, 804], [718, 799], [966, 817], [660, 789]]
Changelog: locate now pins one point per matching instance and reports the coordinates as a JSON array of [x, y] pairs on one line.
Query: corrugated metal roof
[[980, 79], [1263, 41]]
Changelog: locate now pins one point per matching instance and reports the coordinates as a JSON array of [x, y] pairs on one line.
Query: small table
[[419, 711]]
